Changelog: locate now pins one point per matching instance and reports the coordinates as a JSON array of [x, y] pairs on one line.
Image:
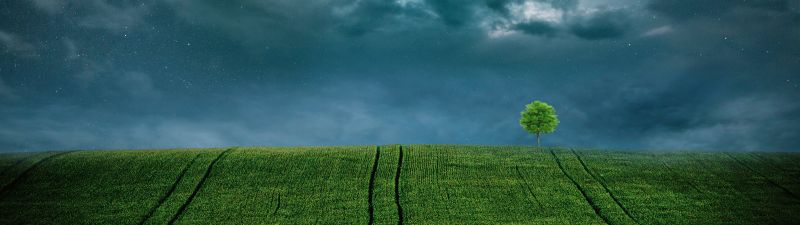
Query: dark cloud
[[365, 16], [178, 73], [536, 28], [563, 4], [499, 5], [601, 25], [453, 12], [685, 9]]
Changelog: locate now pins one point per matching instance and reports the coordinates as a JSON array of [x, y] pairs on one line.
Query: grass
[[410, 184], [286, 185]]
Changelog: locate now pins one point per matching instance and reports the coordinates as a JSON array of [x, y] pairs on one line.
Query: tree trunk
[[537, 140]]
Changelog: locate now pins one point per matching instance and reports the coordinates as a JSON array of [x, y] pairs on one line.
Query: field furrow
[[286, 185], [169, 192], [604, 185], [394, 184], [778, 171], [383, 193], [371, 209], [768, 180], [24, 173], [12, 161], [527, 187], [700, 188], [199, 186], [769, 162], [589, 199], [608, 205], [182, 187], [676, 175], [14, 164], [92, 187], [443, 183], [747, 189]]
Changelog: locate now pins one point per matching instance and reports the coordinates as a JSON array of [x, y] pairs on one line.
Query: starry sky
[[640, 75]]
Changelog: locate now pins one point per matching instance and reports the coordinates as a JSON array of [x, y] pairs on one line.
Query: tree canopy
[[538, 118]]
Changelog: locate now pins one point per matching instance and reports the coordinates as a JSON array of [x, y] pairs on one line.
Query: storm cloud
[[719, 75]]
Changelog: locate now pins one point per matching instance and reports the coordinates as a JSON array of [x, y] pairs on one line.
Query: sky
[[635, 74]]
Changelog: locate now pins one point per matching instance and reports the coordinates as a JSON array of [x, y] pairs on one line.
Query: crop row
[[391, 184]]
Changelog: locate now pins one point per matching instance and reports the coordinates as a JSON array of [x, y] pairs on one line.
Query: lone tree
[[538, 118]]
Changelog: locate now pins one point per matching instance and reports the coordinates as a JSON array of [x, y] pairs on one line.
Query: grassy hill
[[411, 184]]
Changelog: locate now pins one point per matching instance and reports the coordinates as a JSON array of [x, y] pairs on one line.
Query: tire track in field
[[278, 206], [19, 161], [197, 188], [583, 192], [770, 163], [397, 187], [525, 181], [605, 186], [24, 174], [371, 207], [785, 190], [170, 191], [676, 174], [703, 166]]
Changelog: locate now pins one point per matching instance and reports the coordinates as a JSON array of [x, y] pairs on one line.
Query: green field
[[391, 184]]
